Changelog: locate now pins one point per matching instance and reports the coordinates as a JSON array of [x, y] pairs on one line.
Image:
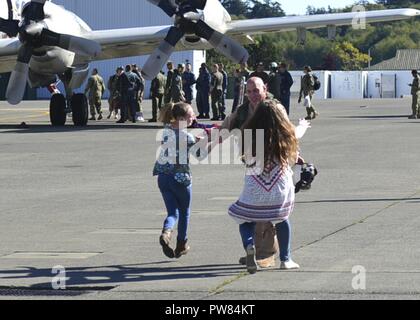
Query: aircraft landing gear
[[79, 107], [58, 110]]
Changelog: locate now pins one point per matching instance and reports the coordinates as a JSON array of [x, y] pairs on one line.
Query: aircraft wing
[[142, 41], [118, 43], [251, 27]]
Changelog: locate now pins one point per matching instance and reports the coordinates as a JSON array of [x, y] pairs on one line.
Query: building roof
[[408, 59]]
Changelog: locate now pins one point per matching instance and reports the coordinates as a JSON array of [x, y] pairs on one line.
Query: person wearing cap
[[177, 94], [169, 74], [139, 93], [95, 89], [157, 89], [114, 94], [188, 80], [307, 91], [260, 73], [128, 84], [415, 92]]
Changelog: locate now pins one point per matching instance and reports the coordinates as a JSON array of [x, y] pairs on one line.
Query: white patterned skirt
[[268, 197]]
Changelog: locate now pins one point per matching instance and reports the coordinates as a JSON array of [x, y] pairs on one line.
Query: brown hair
[[173, 111], [280, 142]]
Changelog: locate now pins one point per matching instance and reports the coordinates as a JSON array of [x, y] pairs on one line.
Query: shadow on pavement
[[111, 276], [42, 128]]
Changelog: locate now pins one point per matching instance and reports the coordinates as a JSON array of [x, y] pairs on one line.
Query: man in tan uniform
[[415, 92], [307, 90], [216, 92], [266, 244], [95, 88]]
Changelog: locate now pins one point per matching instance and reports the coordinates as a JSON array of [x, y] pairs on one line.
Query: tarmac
[[85, 199]]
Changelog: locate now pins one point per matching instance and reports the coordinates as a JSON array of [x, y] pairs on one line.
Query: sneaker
[[100, 117], [308, 118], [289, 265], [251, 262], [181, 249], [140, 119], [165, 240]]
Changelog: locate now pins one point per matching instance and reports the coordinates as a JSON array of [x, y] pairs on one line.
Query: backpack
[[317, 83]]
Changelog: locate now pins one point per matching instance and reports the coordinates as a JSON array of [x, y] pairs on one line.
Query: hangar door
[[389, 86]]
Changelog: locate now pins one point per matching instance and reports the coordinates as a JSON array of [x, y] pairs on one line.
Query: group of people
[[127, 89], [267, 200]]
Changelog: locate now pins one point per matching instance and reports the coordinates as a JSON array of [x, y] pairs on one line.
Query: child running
[[174, 175], [268, 194]]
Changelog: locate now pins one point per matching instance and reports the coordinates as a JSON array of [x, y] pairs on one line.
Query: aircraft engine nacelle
[[195, 43], [52, 61]]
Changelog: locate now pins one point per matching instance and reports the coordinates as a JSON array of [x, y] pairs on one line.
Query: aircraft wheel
[[58, 110], [79, 108]]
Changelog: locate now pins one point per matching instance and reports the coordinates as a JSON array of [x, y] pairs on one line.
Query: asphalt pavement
[[85, 199]]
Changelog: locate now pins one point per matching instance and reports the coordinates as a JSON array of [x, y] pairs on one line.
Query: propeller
[[34, 34], [188, 20]]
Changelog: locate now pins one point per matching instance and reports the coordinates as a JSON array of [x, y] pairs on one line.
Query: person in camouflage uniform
[[307, 90], [157, 89], [114, 94], [177, 94], [95, 88], [415, 92], [216, 91], [167, 95]]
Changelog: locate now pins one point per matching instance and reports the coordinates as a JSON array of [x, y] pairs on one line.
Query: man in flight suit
[[95, 88]]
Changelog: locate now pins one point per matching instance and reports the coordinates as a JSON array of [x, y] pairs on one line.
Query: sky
[[299, 6]]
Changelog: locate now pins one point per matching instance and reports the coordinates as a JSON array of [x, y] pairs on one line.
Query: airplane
[[46, 43]]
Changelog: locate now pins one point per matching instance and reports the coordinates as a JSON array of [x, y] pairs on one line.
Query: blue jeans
[[177, 198], [284, 233], [285, 101]]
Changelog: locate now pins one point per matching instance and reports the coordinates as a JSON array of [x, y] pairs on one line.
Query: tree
[[265, 9], [349, 57]]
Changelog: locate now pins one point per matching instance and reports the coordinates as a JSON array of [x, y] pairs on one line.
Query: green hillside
[[349, 50]]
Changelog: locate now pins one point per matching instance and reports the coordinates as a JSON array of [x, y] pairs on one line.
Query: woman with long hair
[[269, 193]]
